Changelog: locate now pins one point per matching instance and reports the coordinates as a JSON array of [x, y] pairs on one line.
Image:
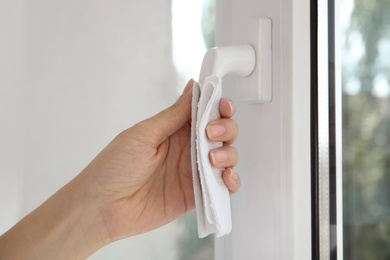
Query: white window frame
[[289, 112]]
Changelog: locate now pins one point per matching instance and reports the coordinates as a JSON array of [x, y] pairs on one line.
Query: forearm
[[67, 226]]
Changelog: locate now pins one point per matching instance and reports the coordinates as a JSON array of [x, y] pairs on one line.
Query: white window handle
[[251, 61], [239, 60]]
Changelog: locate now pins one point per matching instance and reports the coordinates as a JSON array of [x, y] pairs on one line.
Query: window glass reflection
[[366, 128], [193, 25]]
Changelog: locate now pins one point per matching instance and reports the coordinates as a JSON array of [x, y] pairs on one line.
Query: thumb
[[168, 121]]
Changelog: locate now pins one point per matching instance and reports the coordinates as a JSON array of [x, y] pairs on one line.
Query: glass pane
[[365, 38], [192, 35]]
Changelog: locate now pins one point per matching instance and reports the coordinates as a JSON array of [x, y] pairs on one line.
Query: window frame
[[327, 225]]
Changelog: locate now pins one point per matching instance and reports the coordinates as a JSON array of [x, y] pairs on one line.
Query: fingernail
[[214, 131], [233, 175], [231, 104], [219, 156], [189, 85]]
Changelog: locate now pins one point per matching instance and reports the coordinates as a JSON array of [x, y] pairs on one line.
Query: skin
[[140, 181]]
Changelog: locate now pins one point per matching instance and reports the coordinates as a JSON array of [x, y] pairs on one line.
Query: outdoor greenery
[[366, 131]]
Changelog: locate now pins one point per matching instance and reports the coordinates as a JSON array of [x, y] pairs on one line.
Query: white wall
[[12, 127], [73, 74], [90, 67]]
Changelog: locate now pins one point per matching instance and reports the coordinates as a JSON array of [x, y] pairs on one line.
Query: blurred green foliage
[[366, 134]]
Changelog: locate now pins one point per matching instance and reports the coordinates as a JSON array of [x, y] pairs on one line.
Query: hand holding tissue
[[212, 199]]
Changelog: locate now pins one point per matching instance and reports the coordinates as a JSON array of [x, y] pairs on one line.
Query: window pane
[[193, 25], [365, 42]]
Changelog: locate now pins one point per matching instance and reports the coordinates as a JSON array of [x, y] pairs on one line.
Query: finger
[[232, 180], [168, 121], [224, 157], [222, 130], [226, 107]]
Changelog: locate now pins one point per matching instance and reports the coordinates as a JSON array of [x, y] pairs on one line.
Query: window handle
[[251, 61], [239, 60]]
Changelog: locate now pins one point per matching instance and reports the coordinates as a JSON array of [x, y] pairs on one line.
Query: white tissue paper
[[212, 200]]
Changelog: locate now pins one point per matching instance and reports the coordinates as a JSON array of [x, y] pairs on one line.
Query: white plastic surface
[[239, 60], [272, 211], [258, 86], [252, 61]]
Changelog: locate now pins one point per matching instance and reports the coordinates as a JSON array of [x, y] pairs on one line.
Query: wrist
[[86, 222], [67, 226]]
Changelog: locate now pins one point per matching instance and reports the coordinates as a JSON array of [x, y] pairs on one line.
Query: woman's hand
[[140, 181], [143, 178]]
